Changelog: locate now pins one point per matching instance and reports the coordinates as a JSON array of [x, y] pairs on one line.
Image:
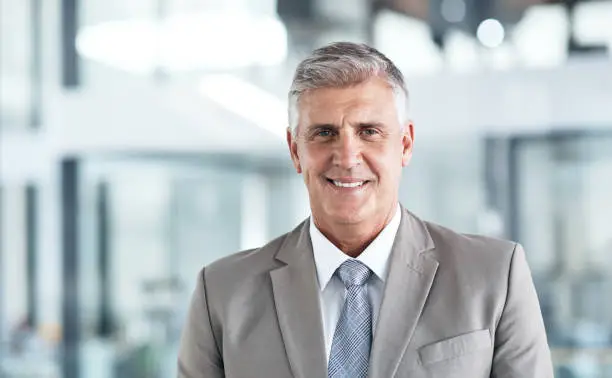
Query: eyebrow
[[360, 125], [370, 124], [321, 126]]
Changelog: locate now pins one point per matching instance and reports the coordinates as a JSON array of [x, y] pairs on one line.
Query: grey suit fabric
[[453, 306]]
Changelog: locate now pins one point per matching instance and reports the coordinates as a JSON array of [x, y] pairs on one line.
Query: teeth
[[348, 184]]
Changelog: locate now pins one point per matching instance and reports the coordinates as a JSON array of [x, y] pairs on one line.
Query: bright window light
[[540, 38], [491, 33], [248, 101], [219, 40], [462, 51], [593, 23], [407, 41]]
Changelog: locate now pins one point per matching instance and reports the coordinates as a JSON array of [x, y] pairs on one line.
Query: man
[[363, 287]]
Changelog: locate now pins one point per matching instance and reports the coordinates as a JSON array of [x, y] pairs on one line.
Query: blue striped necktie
[[350, 350]]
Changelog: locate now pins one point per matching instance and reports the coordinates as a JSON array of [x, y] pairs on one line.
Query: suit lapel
[[410, 277], [296, 295]]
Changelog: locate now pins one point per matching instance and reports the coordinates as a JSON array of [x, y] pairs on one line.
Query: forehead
[[372, 98]]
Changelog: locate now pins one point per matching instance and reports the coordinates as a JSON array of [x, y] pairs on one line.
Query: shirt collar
[[376, 256]]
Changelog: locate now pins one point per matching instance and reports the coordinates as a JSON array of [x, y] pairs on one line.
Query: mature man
[[363, 287]]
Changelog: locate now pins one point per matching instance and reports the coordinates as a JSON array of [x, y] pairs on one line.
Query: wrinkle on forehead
[[371, 101]]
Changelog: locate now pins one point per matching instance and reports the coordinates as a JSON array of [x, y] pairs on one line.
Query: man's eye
[[324, 133], [369, 132]]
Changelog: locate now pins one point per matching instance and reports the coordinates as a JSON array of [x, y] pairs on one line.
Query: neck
[[354, 238]]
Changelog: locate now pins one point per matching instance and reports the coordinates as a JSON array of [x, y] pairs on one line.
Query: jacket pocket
[[455, 347]]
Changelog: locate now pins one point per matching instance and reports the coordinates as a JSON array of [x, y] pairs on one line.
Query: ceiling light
[[210, 40], [491, 33]]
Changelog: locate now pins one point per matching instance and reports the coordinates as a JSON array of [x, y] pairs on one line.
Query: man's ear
[[407, 142], [292, 144]]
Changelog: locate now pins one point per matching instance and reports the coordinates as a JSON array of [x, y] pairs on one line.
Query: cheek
[[313, 160], [387, 166]]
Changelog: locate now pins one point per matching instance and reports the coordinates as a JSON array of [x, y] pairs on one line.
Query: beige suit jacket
[[454, 306]]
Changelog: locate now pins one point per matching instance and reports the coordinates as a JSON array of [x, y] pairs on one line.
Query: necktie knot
[[353, 273]]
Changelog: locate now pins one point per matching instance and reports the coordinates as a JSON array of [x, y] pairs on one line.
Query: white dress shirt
[[328, 258]]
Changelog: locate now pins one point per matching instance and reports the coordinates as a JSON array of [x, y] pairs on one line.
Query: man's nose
[[347, 152]]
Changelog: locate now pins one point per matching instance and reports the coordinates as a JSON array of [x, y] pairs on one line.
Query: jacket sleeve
[[199, 355], [521, 347]]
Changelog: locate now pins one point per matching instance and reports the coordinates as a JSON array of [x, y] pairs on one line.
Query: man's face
[[351, 147]]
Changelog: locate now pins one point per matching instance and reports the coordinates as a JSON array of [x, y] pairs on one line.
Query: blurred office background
[[143, 139]]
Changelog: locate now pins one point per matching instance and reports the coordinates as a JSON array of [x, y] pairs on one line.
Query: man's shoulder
[[476, 249], [443, 236], [251, 262], [470, 260]]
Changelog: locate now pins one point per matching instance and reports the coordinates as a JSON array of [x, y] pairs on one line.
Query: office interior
[[141, 140]]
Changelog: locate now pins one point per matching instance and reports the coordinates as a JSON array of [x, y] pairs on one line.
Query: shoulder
[[244, 263], [474, 269], [469, 253], [245, 266], [448, 240]]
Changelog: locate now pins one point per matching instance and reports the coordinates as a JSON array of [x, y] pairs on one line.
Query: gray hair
[[342, 64]]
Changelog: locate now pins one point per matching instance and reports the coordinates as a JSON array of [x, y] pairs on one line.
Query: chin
[[347, 215]]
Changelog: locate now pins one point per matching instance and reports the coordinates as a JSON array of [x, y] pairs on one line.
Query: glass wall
[[563, 217], [147, 226], [445, 181], [20, 78]]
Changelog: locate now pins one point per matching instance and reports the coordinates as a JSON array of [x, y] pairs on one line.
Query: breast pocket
[[455, 347]]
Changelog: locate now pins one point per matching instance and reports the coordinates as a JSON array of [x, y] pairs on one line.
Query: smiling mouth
[[350, 185]]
